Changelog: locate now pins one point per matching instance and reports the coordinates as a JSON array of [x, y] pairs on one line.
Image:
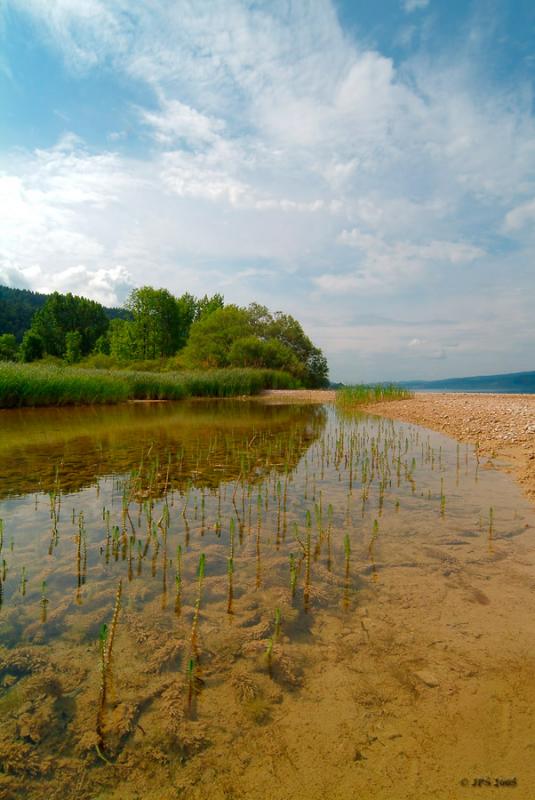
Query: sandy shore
[[501, 425], [276, 396]]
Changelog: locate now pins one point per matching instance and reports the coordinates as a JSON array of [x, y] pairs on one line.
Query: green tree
[[102, 345], [63, 314], [73, 347], [207, 305], [251, 351], [156, 322], [192, 309], [8, 347], [32, 347], [286, 330], [188, 313], [212, 336], [122, 340]]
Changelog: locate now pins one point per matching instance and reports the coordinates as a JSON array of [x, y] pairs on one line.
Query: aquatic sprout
[[178, 580], [442, 498], [193, 680], [308, 542], [23, 581], [277, 624], [230, 565], [200, 579], [491, 528], [44, 601], [155, 549], [330, 515], [293, 575], [269, 656], [347, 551], [106, 640]]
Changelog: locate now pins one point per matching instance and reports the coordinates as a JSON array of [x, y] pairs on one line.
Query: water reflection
[[204, 442]]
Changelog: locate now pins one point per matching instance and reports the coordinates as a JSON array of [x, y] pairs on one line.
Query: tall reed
[[362, 394], [44, 385]]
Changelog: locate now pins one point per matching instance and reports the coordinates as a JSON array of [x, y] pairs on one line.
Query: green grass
[[362, 394], [47, 385]]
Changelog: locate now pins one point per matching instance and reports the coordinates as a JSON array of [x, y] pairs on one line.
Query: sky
[[368, 167]]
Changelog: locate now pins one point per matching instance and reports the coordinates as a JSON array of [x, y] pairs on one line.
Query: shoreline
[[501, 426]]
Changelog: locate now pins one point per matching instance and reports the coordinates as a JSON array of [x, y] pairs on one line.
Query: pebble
[[427, 677]]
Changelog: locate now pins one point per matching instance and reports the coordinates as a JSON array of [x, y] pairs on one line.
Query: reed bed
[[362, 394], [47, 385]]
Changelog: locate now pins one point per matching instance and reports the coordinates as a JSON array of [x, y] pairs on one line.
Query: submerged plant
[[44, 601], [293, 575], [269, 656], [23, 581], [347, 551], [195, 622], [277, 624], [230, 566], [106, 640], [178, 580], [491, 527]]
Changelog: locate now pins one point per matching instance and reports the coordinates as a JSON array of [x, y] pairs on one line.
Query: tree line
[[155, 325]]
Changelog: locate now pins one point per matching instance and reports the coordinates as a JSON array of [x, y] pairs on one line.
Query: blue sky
[[366, 166]]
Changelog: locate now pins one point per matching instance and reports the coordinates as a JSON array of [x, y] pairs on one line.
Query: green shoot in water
[[23, 581], [277, 623], [44, 601], [106, 640], [269, 656], [178, 579], [293, 575]]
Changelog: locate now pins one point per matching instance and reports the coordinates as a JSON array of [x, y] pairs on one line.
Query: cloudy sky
[[366, 166]]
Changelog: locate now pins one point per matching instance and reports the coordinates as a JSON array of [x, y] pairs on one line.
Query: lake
[[225, 599]]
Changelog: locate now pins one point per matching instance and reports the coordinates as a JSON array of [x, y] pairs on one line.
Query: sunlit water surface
[[232, 600]]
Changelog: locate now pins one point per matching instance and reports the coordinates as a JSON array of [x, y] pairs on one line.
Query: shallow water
[[362, 627]]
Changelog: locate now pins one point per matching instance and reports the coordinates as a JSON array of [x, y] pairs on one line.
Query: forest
[[155, 331]]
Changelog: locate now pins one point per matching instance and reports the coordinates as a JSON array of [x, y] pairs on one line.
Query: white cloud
[[520, 216], [414, 5], [178, 121], [386, 264]]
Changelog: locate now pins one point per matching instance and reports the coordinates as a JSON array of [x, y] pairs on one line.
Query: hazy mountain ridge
[[508, 383]]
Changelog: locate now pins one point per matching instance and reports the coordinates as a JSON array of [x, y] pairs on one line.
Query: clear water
[[363, 625]]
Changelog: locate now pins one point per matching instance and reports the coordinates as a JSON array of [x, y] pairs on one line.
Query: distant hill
[[510, 383], [17, 307]]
